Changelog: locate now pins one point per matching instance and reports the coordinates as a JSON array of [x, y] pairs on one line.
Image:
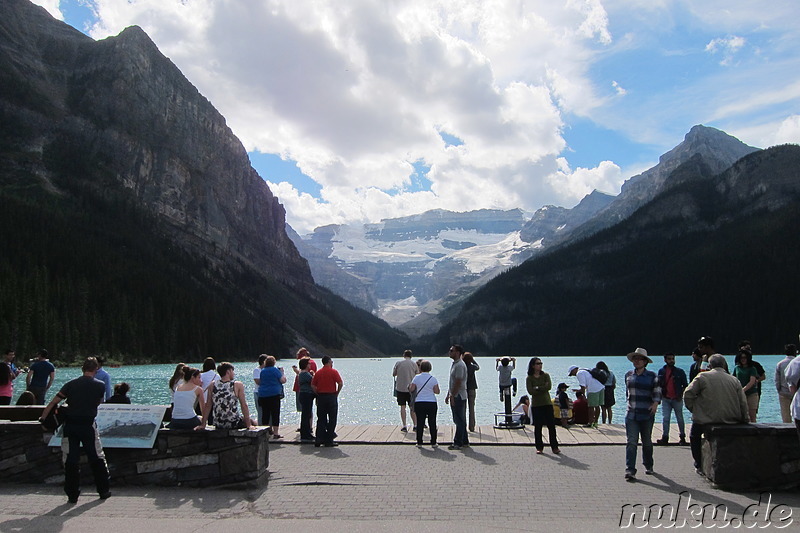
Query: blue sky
[[359, 110]]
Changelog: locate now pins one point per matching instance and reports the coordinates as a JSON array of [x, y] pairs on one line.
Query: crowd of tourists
[[211, 396]]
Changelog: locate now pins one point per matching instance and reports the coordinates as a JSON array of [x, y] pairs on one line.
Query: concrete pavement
[[402, 488]]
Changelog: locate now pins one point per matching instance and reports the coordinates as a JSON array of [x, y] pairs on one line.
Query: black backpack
[[599, 374]]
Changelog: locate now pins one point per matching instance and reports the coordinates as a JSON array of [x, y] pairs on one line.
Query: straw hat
[[640, 352]]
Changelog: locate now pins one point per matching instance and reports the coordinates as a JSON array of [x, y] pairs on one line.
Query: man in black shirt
[[83, 395]]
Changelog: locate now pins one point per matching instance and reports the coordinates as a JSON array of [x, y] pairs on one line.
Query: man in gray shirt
[[404, 371], [457, 397]]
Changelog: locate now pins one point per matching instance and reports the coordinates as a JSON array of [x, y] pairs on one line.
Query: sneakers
[[663, 441], [699, 472], [539, 452], [649, 471], [434, 445], [105, 495], [404, 429], [630, 476], [454, 447], [683, 442], [418, 445]]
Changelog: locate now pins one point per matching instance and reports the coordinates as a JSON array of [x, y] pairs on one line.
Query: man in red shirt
[[326, 384]]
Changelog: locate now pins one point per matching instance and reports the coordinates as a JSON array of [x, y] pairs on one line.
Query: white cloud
[[606, 177], [781, 131], [52, 7], [356, 91], [727, 46]]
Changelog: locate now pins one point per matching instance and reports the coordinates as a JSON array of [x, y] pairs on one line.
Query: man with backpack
[[592, 387]]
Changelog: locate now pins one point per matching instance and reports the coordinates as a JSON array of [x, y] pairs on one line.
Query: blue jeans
[[667, 406], [459, 409], [633, 430]]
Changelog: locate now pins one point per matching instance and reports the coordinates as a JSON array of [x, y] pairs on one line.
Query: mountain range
[[133, 222], [415, 271], [713, 253], [135, 226]]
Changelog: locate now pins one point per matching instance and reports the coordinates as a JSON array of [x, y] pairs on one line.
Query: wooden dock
[[603, 435]]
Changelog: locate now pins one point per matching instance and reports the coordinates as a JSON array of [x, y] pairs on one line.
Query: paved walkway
[[390, 487]]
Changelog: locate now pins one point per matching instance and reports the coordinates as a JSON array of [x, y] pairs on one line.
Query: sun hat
[[573, 367], [640, 352]]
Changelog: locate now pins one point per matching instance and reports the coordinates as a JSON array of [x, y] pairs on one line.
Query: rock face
[[107, 145], [549, 222], [121, 117]]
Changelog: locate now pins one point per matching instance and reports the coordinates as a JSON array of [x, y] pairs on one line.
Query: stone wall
[[179, 457], [752, 456]]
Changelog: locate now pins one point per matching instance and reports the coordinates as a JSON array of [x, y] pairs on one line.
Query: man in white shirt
[[403, 372], [593, 389]]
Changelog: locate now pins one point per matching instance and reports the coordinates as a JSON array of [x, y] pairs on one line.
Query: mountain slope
[[712, 254], [718, 149], [107, 145]]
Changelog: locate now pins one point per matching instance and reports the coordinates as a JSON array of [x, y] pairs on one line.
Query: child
[[563, 403], [580, 409], [505, 370], [522, 410]]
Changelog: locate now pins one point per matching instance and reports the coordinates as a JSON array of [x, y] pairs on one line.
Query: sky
[[359, 110]]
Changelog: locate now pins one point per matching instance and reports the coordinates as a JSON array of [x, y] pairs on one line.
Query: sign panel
[[124, 425]]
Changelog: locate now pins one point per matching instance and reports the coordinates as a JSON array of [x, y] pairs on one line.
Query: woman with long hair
[[187, 394], [608, 398], [538, 384]]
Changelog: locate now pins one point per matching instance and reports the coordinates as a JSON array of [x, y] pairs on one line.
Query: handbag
[[416, 391]]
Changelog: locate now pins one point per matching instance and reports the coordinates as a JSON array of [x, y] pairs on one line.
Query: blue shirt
[[41, 373], [641, 391], [104, 376], [270, 382]]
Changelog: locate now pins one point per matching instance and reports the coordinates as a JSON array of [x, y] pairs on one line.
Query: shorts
[[752, 401], [595, 399], [403, 397]]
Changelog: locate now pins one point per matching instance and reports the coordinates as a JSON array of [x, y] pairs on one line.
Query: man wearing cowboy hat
[[643, 394]]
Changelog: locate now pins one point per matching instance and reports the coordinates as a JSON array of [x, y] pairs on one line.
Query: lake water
[[367, 394]]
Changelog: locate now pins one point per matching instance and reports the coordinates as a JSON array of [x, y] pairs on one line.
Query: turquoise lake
[[367, 394]]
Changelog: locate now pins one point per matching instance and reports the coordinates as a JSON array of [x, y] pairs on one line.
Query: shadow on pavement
[[438, 453], [478, 456], [52, 520], [566, 460]]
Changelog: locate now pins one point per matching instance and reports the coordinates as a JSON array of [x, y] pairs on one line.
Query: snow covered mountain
[[407, 269]]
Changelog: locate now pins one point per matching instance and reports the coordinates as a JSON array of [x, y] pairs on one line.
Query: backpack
[[599, 374]]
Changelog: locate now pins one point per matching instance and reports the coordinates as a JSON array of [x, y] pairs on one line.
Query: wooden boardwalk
[[604, 434]]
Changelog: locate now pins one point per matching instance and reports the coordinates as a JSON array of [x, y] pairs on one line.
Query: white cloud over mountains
[[358, 91]]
